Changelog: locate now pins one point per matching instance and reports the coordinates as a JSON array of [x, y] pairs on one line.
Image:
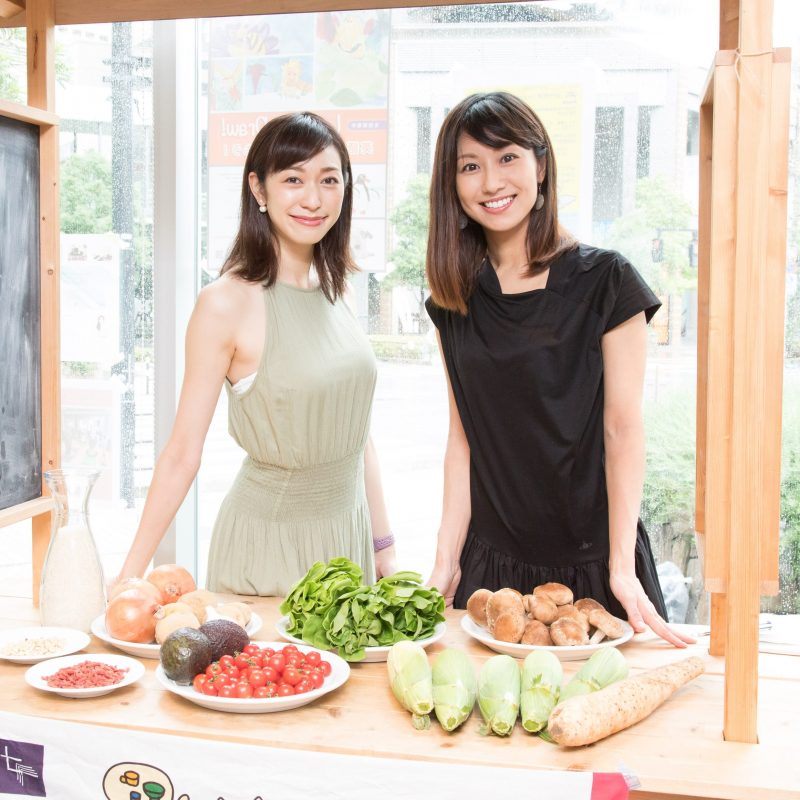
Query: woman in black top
[[544, 341]]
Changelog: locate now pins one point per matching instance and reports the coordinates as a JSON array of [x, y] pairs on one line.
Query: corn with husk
[[541, 686], [454, 688], [605, 667], [498, 695], [411, 681]]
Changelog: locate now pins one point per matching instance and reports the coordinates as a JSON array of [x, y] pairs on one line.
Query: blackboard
[[20, 314]]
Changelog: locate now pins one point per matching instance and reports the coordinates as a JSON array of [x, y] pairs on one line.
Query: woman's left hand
[[385, 562], [640, 610]]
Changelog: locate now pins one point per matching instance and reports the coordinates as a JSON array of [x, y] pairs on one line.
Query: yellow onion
[[130, 616], [172, 581], [136, 583]]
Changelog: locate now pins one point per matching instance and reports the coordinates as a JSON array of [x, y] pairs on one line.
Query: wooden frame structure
[[742, 239], [41, 111]]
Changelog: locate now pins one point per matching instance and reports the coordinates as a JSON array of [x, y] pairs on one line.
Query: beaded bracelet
[[383, 542]]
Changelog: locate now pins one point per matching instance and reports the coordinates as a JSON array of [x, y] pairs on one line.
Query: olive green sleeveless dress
[[299, 496]]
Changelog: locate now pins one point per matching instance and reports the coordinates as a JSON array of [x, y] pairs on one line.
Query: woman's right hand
[[446, 580]]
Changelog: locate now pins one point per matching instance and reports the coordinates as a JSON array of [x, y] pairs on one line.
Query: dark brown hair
[[495, 119], [282, 143]]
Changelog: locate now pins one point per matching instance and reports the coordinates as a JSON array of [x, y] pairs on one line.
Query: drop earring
[[463, 221], [262, 209], [539, 203]]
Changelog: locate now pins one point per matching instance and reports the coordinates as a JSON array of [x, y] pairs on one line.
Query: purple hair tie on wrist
[[383, 542]]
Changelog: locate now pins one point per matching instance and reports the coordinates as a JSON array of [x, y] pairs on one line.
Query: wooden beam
[[41, 94], [751, 308], [11, 8], [775, 291], [728, 24], [23, 511], [27, 113]]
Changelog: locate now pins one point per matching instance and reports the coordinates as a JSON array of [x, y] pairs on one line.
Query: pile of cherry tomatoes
[[264, 672]]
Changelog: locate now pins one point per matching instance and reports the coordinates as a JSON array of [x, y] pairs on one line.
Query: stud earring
[[539, 204], [463, 220], [262, 209]]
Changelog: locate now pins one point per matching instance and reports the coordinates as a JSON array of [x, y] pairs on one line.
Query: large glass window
[[617, 85]]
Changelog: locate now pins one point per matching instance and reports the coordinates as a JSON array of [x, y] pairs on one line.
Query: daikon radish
[[591, 717]]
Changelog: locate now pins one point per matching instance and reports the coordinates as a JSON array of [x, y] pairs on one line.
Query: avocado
[[226, 636], [186, 652]]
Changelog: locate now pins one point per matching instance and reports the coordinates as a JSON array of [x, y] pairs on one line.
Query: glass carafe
[[73, 591]]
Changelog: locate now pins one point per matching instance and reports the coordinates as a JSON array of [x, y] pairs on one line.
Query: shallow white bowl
[[372, 653], [74, 640], [340, 672], [149, 650], [36, 674], [565, 653]]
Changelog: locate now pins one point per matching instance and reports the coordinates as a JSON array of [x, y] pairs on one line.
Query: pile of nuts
[[547, 616]]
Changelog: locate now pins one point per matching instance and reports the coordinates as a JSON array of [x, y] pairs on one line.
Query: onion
[[136, 583], [172, 581], [129, 616]]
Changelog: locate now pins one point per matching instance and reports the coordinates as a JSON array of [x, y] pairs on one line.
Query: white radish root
[[591, 717]]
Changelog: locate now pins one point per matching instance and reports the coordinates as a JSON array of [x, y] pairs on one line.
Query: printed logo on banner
[[22, 768]]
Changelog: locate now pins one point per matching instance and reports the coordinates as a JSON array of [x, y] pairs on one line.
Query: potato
[[238, 612], [165, 626], [197, 602]]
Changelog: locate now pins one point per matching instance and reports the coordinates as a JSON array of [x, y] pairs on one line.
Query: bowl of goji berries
[[84, 675]]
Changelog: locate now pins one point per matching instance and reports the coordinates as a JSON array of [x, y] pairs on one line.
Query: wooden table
[[678, 752]]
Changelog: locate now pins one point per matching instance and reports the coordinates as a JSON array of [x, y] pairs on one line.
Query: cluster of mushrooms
[[547, 616]]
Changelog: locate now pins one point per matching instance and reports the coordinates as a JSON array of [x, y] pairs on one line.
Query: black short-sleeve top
[[527, 375]]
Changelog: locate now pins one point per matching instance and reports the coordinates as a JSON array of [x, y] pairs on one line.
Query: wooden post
[[40, 16]]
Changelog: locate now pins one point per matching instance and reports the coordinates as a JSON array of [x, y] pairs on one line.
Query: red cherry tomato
[[229, 690], [313, 658], [226, 661], [243, 690], [251, 649], [198, 681], [271, 674], [316, 679], [257, 678], [284, 690], [277, 662], [326, 667], [213, 668], [260, 692]]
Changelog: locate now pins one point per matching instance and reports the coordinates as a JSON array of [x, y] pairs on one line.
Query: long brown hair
[[283, 142], [495, 119]]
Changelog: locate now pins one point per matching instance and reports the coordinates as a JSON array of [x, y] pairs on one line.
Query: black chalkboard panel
[[20, 376]]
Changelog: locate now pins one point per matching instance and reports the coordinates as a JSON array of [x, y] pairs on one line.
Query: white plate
[[36, 674], [565, 653], [74, 640], [150, 650], [340, 672], [372, 653]]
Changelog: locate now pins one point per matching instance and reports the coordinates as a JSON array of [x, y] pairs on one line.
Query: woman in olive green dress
[[277, 331]]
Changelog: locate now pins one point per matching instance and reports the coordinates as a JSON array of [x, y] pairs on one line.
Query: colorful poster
[[334, 64]]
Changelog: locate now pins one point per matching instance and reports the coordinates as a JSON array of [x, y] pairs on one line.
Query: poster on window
[[334, 64]]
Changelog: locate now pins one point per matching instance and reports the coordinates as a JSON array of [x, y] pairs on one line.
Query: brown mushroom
[[569, 610], [509, 626], [536, 633], [540, 608], [476, 606], [500, 601], [566, 632], [586, 604], [611, 626], [557, 592]]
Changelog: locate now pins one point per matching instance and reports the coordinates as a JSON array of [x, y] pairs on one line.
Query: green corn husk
[[411, 681], [541, 685], [605, 667], [454, 688], [498, 695]]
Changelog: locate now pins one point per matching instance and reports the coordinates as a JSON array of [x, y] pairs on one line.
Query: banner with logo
[[67, 761]]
